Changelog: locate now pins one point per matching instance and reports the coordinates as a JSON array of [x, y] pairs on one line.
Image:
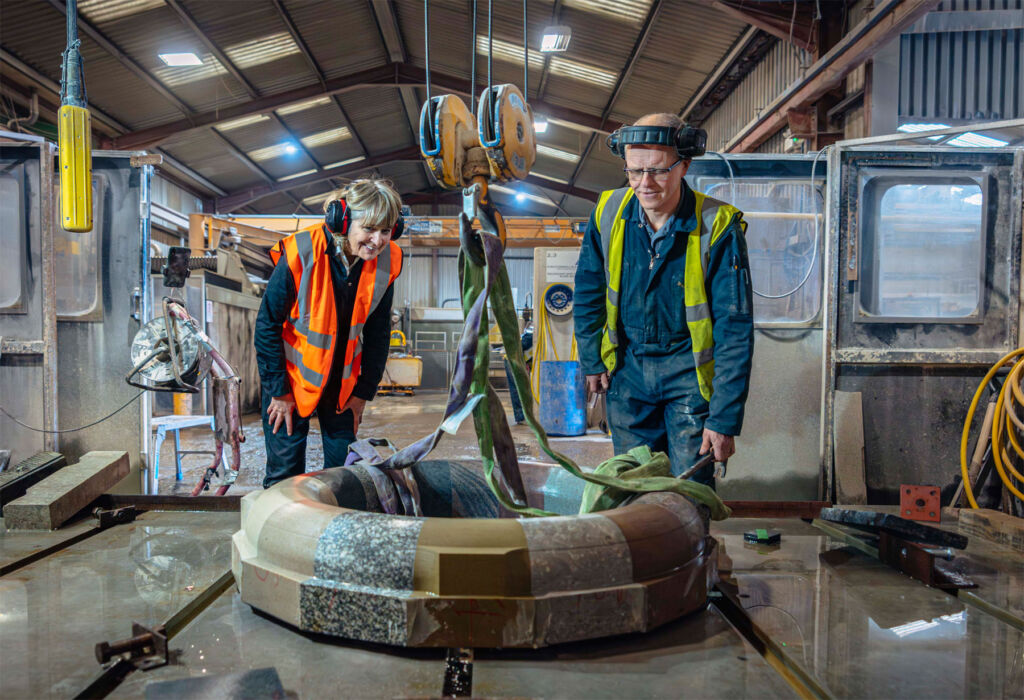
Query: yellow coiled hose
[[1005, 423]]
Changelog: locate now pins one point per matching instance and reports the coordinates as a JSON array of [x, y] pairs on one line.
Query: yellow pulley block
[[75, 158], [505, 124], [447, 133]]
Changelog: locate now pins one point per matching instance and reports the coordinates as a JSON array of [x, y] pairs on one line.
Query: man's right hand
[[597, 383], [280, 411]]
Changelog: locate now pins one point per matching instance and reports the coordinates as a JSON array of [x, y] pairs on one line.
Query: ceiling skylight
[[180, 59], [172, 76], [296, 175], [299, 106], [582, 72], [99, 11], [256, 52], [633, 11], [325, 137], [972, 140], [508, 52], [348, 161], [242, 121], [550, 177], [558, 153], [275, 151]]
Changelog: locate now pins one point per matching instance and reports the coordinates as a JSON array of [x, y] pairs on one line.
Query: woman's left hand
[[356, 405]]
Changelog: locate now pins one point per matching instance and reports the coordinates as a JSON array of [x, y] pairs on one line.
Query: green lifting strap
[[640, 471]]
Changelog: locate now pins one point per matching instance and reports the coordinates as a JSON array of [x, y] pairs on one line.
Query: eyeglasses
[[637, 174]]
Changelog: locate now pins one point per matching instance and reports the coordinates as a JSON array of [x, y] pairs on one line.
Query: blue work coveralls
[[654, 398]]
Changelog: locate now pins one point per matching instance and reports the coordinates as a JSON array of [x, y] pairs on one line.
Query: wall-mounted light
[[180, 59], [555, 38]]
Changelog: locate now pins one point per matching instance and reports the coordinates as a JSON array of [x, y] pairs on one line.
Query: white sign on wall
[[561, 265]]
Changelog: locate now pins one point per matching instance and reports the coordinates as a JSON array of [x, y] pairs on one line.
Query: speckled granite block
[[368, 549], [369, 615], [584, 552]]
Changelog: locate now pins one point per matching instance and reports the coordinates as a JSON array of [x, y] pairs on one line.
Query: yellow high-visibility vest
[[713, 218]]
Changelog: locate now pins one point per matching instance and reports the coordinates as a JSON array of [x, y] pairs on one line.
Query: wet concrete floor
[[401, 419], [857, 628]]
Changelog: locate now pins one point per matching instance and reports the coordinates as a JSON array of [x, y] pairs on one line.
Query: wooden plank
[[848, 429], [55, 499], [1000, 528]]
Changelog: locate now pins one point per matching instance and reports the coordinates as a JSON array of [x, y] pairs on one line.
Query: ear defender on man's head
[[337, 217], [688, 141]]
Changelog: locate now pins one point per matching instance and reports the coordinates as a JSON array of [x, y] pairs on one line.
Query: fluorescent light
[[324, 137], [296, 175], [520, 196], [555, 38], [307, 104], [242, 121], [180, 59], [340, 163], [970, 139], [540, 125], [289, 148], [543, 150]]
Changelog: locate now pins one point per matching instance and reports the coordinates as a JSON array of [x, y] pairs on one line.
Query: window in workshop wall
[[78, 264], [12, 240], [922, 247], [784, 246]]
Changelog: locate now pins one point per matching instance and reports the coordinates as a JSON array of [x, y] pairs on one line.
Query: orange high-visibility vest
[[310, 331]]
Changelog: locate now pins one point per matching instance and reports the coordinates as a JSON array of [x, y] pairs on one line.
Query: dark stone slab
[[871, 521], [258, 684]]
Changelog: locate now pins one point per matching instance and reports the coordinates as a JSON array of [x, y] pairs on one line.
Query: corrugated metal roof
[[343, 38]]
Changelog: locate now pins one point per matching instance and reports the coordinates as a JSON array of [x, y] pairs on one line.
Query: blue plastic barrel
[[563, 409]]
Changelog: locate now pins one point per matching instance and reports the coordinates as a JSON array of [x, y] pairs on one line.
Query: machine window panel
[[923, 250], [78, 265], [782, 241], [12, 242]]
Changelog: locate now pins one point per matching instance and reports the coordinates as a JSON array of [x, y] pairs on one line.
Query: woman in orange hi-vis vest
[[323, 328]]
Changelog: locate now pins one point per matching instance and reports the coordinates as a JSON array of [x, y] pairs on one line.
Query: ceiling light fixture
[[555, 38], [540, 124], [180, 59]]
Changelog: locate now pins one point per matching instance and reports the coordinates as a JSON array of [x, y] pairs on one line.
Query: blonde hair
[[374, 202]]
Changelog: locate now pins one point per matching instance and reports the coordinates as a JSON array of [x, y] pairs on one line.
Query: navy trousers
[[655, 400], [286, 454]]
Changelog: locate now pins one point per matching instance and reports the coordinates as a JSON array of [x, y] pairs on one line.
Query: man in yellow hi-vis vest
[[663, 303]]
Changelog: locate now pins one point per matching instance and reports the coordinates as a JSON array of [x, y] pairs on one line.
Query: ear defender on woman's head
[[398, 229], [337, 217]]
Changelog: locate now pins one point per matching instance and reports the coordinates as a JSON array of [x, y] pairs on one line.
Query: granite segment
[[355, 612], [368, 549], [576, 553]]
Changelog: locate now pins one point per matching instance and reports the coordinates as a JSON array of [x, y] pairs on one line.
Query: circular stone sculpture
[[468, 582]]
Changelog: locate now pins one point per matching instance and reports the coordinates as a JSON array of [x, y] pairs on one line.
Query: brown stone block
[[55, 499]]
